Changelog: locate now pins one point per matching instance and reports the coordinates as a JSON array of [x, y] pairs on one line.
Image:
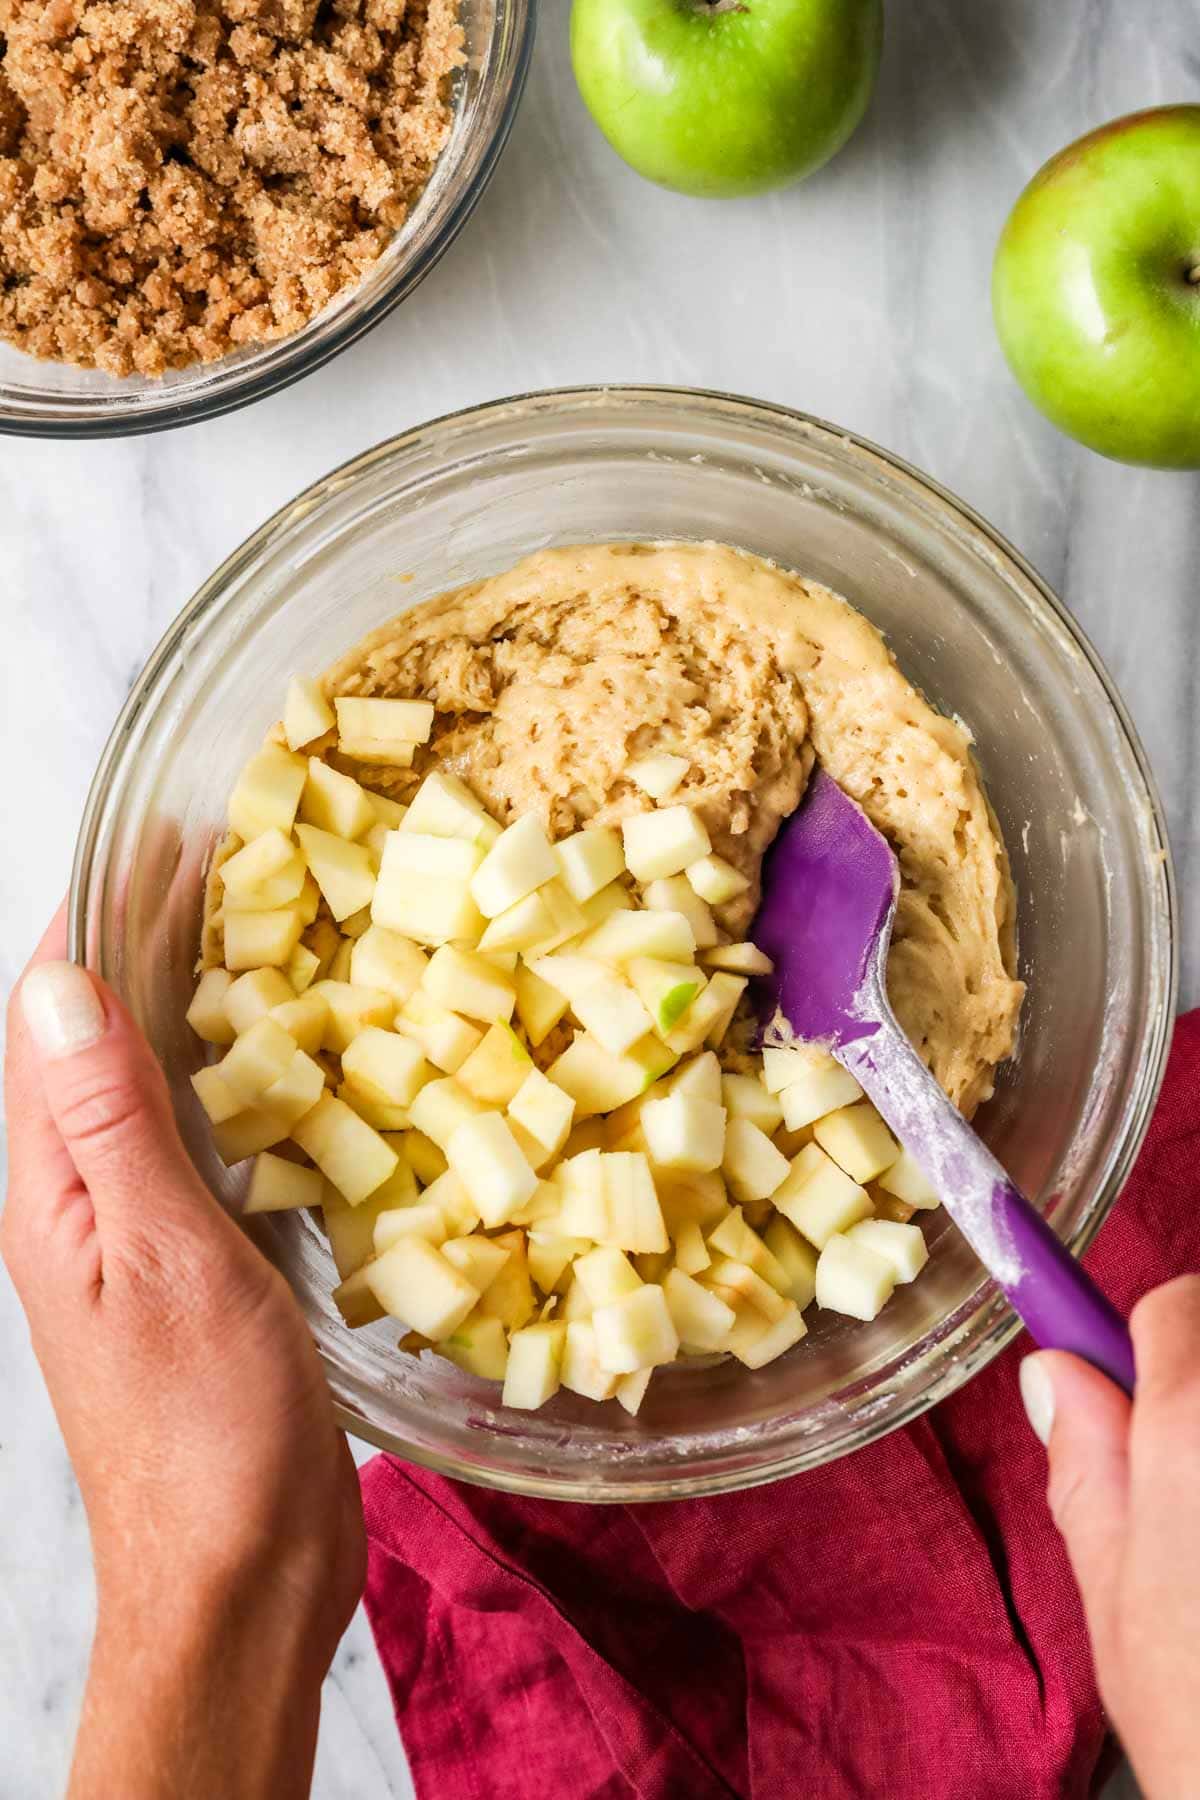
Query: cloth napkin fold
[[901, 1623]]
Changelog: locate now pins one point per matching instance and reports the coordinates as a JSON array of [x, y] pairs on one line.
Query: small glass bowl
[[970, 623], [49, 399]]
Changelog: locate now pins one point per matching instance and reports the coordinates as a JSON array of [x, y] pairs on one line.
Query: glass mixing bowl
[[46, 399], [970, 623]]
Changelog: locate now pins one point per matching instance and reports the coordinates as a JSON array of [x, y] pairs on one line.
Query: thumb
[[108, 1100], [1084, 1419]]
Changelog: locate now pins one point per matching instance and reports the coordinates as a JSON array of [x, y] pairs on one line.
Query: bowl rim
[[305, 358], [985, 1314]]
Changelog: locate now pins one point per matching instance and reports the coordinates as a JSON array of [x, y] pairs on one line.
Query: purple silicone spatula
[[826, 922]]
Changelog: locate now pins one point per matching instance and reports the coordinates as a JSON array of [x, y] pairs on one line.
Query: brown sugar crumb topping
[[182, 177]]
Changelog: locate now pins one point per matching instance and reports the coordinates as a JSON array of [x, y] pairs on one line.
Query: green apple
[[1096, 289], [726, 97]]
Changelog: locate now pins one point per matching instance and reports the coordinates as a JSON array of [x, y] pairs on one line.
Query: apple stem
[[1193, 275]]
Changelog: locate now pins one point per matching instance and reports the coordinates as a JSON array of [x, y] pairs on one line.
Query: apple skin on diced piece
[[674, 893], [820, 1198], [534, 1363], [518, 862], [488, 1161], [852, 1278], [497, 1068], [752, 1165], [858, 1141], [414, 1282], [702, 1319], [657, 774], [708, 1018], [903, 1247], [348, 1152], [463, 981], [663, 842], [907, 1180], [715, 880], [267, 792], [666, 989], [684, 1132], [635, 1331], [589, 860], [796, 1257], [207, 1015], [307, 714]]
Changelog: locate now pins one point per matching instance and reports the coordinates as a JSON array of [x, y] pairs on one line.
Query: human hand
[[1125, 1493], [221, 1498]]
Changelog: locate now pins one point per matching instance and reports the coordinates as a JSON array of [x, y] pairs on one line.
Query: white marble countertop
[[860, 296]]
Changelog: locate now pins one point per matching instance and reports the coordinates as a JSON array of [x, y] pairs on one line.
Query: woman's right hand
[[1125, 1493]]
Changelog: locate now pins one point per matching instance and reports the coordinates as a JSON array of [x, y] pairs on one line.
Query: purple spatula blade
[[825, 921]]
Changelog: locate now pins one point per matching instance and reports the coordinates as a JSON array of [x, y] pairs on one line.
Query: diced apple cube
[[574, 1301], [611, 899], [324, 940], [348, 1152], [657, 774], [440, 1107], [779, 1336], [486, 1158], [351, 1009], [797, 1258], [480, 1259], [733, 1236], [716, 880], [388, 812], [666, 990], [624, 935], [663, 842], [707, 1018], [853, 1279], [219, 1101], [388, 753], [267, 792], [257, 861], [702, 1319], [728, 1276], [609, 1010], [414, 1282], [301, 968], [443, 806], [497, 1067], [745, 1097], [287, 887], [423, 891], [584, 1210], [820, 1089], [386, 1067], [446, 1039], [599, 1081], [635, 1220], [534, 1362], [581, 1370], [528, 922], [256, 1060], [426, 1159], [307, 714], [752, 1165], [463, 981], [519, 861], [691, 1252], [589, 860], [542, 1109], [254, 940], [631, 1390], [635, 1331], [297, 1090], [905, 1178], [509, 1295], [334, 802], [542, 1207], [351, 1229], [277, 1185], [479, 1346], [902, 1247], [246, 1133], [384, 1115], [819, 1198], [305, 1019], [447, 1193], [385, 720], [606, 1274], [737, 959], [683, 1132], [567, 920], [207, 1014], [700, 1076], [858, 1141], [675, 894], [355, 1299], [396, 1222], [550, 1257], [342, 870]]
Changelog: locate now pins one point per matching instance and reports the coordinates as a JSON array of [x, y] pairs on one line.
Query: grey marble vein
[[861, 297]]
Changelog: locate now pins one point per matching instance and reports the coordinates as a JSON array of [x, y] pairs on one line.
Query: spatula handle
[[1059, 1303]]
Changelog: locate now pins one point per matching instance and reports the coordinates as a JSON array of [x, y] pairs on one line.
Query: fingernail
[[62, 1009], [1037, 1391]]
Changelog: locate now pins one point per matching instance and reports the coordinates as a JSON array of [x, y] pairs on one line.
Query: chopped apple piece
[[385, 1067], [509, 1296], [683, 1132], [247, 1133], [675, 894], [302, 968], [716, 880], [256, 862], [631, 1390], [446, 1039], [542, 1109], [351, 1229], [581, 1370], [487, 1160], [779, 1336], [414, 1282], [858, 1141], [386, 721], [624, 935], [905, 1178], [737, 959], [356, 925], [634, 1216], [902, 1247], [497, 1067], [752, 1165], [728, 1276], [307, 714], [664, 842], [325, 941], [542, 1208], [387, 753], [702, 1319], [256, 1060], [635, 1332], [694, 1196], [463, 981], [657, 774], [584, 1210], [519, 861], [348, 1152], [534, 1362], [285, 888], [351, 1009], [342, 870], [335, 803], [691, 1252], [478, 1346], [254, 940], [599, 1081], [589, 860], [575, 1303], [819, 1198], [708, 1017], [267, 792], [566, 919], [219, 1101], [611, 899], [666, 990], [853, 1279], [609, 1010], [207, 1014], [423, 891], [305, 1019], [448, 1194], [426, 1159], [606, 1274], [733, 1236], [277, 1185], [552, 1257], [388, 812], [745, 1097], [384, 1115], [480, 1259], [797, 1258], [396, 1222], [297, 1090], [816, 1084], [700, 1076], [530, 921], [355, 1299], [440, 1108]]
